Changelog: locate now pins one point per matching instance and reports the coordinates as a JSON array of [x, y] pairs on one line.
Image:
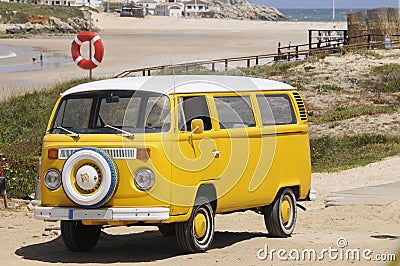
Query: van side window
[[234, 112], [190, 108], [276, 110]]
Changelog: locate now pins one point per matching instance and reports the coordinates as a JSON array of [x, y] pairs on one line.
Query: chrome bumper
[[104, 214]]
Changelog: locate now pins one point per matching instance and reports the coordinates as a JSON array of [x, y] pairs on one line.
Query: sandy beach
[[134, 43], [240, 237]]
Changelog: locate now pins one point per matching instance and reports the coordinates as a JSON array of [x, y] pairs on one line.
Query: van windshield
[[108, 112]]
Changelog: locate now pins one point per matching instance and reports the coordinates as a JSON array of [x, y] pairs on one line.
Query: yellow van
[[173, 151]]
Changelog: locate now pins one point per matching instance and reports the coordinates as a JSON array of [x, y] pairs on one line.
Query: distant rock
[[241, 9], [53, 25]]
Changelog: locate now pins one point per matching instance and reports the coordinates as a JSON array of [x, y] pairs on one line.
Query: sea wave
[[8, 55]]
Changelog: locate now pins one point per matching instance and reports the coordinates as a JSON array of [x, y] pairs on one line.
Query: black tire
[[278, 223], [167, 229], [192, 238], [79, 237]]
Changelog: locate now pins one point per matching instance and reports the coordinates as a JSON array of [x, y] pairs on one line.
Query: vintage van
[[173, 151]]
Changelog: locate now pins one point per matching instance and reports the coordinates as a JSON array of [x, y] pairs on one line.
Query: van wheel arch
[[208, 191]]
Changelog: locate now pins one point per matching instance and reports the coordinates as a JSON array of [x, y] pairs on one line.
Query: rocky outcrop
[[53, 25], [241, 9]]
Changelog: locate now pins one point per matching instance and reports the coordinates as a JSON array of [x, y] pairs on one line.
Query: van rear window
[[276, 110]]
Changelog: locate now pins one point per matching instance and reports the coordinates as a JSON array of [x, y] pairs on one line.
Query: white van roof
[[182, 84]]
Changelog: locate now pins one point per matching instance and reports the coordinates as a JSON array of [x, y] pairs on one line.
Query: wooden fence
[[288, 53]]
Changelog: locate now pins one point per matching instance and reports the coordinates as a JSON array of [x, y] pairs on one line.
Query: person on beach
[[34, 59], [41, 57]]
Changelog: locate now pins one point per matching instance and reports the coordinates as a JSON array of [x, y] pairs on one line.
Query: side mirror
[[197, 126]]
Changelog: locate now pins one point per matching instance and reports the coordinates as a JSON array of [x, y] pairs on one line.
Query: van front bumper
[[103, 214]]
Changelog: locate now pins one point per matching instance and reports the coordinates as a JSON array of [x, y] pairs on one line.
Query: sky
[[327, 3]]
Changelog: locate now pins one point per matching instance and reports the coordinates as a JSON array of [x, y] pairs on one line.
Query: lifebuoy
[[87, 36], [90, 177]]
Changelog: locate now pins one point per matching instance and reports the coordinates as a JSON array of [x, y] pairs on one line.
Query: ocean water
[[19, 58], [317, 15]]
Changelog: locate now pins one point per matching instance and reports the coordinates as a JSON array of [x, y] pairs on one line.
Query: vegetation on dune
[[390, 77], [266, 71], [343, 112], [333, 154], [20, 13], [23, 122]]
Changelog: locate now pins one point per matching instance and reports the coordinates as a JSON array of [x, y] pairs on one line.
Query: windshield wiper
[[131, 135], [74, 135]]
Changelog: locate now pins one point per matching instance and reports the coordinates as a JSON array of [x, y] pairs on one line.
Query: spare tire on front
[[90, 177]]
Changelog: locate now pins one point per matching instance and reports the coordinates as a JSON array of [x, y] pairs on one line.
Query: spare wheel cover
[[90, 177]]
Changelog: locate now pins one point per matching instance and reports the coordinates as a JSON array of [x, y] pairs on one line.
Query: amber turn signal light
[[52, 154], [143, 154]]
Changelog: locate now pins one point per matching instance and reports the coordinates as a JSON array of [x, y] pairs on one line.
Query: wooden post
[[309, 39], [148, 73], [248, 63], [226, 64], [213, 67], [369, 40], [144, 73], [297, 51], [256, 60]]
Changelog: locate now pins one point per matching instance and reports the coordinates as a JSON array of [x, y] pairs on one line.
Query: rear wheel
[[280, 216], [79, 237], [196, 234], [167, 229]]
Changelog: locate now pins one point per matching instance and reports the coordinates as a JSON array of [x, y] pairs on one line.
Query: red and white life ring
[[87, 36]]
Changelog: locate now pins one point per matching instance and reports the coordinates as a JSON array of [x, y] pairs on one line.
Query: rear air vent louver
[[301, 106]]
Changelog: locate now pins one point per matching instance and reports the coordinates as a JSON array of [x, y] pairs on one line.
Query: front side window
[[276, 110], [105, 111], [234, 112], [190, 108]]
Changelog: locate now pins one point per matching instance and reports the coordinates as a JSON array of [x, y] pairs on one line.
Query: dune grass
[[23, 121], [343, 113], [330, 154]]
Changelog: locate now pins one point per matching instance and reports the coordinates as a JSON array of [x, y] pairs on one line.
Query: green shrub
[[327, 87], [332, 154], [23, 122]]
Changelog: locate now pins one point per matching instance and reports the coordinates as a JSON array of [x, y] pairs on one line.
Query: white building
[[150, 5], [169, 9], [195, 8]]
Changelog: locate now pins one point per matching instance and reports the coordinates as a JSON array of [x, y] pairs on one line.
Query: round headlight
[[144, 179], [52, 179]]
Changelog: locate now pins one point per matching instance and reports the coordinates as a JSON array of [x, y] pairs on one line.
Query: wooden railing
[[288, 53]]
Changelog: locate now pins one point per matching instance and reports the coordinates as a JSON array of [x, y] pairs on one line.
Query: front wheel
[[79, 237], [280, 216], [196, 234]]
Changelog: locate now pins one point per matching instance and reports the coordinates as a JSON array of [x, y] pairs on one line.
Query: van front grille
[[115, 153], [301, 106]]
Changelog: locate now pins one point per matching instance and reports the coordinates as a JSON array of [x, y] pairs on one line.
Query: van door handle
[[216, 153]]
